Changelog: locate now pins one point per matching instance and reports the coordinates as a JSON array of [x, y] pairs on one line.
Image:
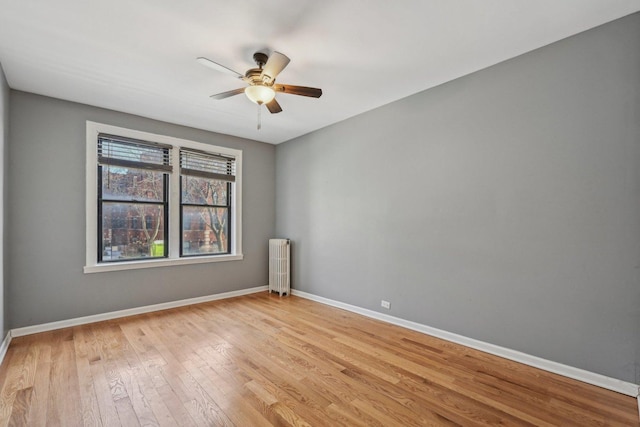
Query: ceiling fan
[[262, 81]]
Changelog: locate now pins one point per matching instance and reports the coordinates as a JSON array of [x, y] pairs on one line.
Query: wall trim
[[28, 330], [588, 377], [4, 346]]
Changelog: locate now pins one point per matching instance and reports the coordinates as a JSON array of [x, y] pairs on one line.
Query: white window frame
[[92, 265]]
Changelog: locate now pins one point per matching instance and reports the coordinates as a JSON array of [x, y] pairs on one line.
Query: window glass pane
[[120, 183], [203, 191], [204, 230], [132, 231]]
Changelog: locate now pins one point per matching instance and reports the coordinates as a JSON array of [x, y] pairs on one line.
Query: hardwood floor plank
[[350, 415], [260, 392], [284, 388], [232, 405], [12, 370], [375, 410], [89, 401], [262, 360], [137, 395], [196, 406], [63, 406], [106, 405], [175, 406], [203, 407], [20, 409], [143, 387], [126, 413], [234, 381], [39, 398]]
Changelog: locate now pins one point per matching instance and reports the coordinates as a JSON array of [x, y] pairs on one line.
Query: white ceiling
[[139, 56]]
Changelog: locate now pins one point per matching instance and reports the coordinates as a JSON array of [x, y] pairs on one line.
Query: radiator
[[279, 266]]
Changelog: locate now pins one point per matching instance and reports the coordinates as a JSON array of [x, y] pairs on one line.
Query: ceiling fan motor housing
[[254, 77], [260, 58]]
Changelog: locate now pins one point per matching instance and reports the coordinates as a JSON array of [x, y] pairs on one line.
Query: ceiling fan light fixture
[[260, 94]]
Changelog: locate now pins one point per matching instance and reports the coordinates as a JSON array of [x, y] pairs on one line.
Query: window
[[142, 212], [133, 203], [205, 202]]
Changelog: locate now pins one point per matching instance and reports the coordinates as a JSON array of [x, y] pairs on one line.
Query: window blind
[[128, 152], [207, 165]]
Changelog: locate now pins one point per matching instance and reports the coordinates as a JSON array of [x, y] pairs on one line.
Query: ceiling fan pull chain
[[259, 118]]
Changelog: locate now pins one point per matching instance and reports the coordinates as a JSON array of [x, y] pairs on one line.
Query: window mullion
[[174, 207]]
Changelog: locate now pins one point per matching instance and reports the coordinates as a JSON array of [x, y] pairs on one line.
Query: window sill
[[135, 265]]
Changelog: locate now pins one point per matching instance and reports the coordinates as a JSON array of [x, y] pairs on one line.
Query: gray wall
[[503, 206], [46, 213], [4, 138]]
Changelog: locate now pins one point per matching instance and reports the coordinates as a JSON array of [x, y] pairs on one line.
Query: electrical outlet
[[385, 304]]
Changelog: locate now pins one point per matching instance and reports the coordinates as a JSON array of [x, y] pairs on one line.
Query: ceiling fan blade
[[215, 66], [311, 92], [275, 64], [227, 94], [273, 106]]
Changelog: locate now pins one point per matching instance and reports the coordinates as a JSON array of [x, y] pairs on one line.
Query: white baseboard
[[599, 380], [28, 330], [5, 346]]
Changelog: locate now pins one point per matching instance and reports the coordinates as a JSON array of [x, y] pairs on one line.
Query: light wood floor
[[262, 360]]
